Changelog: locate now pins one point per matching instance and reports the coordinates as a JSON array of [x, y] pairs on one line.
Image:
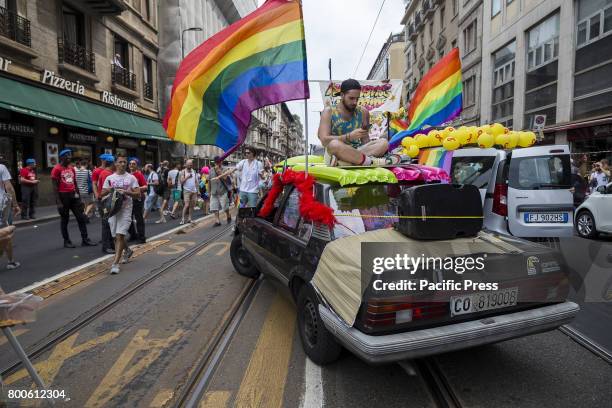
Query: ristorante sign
[[114, 100], [56, 81]]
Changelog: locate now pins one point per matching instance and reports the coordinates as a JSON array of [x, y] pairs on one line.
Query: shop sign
[[4, 64], [112, 99], [16, 129], [127, 143], [81, 137], [50, 78]]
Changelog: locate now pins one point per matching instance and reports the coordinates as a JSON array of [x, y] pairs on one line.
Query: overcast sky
[[339, 29]]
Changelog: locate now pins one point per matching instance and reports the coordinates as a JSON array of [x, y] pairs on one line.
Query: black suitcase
[[429, 201]]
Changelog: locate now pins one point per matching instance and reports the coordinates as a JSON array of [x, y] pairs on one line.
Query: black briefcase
[[440, 211]]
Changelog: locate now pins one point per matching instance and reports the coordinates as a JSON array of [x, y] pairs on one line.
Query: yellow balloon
[[502, 140], [514, 138], [526, 139], [486, 140], [408, 141], [413, 151], [480, 130], [461, 135], [421, 141], [437, 138], [472, 136], [451, 143], [496, 129]]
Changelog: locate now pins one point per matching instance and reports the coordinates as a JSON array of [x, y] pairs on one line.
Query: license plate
[[481, 301], [546, 217]]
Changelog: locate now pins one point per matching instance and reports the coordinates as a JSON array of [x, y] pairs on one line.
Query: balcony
[[429, 8], [418, 20], [104, 7], [76, 55], [122, 77], [148, 90], [15, 27]]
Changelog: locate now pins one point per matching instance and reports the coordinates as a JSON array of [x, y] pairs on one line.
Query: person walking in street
[[68, 199], [598, 177], [176, 193], [29, 189], [137, 229], [105, 170], [152, 189], [126, 184], [205, 189], [84, 184], [251, 172], [190, 185], [220, 192], [164, 190], [8, 209]]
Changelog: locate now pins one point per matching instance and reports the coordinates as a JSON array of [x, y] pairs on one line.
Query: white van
[[525, 192]]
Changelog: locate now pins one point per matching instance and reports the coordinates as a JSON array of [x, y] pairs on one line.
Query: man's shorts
[[165, 193], [219, 202], [120, 222], [190, 197], [150, 201], [248, 199], [176, 195]]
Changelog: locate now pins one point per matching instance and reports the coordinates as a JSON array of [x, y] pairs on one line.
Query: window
[[594, 25], [73, 26], [291, 213], [454, 44], [146, 9], [503, 83], [431, 31], [469, 37], [455, 7], [475, 171], [496, 6], [442, 11], [540, 172], [147, 75], [121, 57], [469, 91], [543, 43]]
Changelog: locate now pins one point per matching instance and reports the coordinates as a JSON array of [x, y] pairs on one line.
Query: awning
[[577, 124], [56, 107]]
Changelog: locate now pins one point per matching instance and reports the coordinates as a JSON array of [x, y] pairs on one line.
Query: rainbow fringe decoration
[[260, 60], [437, 157], [437, 98]]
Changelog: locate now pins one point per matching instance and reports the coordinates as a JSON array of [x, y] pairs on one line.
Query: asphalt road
[[39, 248]]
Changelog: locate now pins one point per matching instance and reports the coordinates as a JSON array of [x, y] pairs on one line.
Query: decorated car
[[321, 235]]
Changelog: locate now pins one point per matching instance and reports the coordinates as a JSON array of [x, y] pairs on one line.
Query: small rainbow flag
[[437, 157], [397, 125], [437, 98], [260, 60]]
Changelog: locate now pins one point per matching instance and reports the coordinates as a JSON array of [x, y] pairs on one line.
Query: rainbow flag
[[397, 125], [437, 98], [260, 60], [437, 157]]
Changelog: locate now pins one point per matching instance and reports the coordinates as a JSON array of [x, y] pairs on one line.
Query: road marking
[[161, 398], [120, 375], [177, 248], [16, 333], [313, 386], [225, 245], [263, 384], [215, 399], [49, 368]]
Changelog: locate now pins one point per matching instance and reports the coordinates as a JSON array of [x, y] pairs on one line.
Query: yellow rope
[[411, 216]]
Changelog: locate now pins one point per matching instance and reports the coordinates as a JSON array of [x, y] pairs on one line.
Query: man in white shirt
[[119, 223], [251, 173], [152, 185], [190, 183], [8, 208], [598, 177]]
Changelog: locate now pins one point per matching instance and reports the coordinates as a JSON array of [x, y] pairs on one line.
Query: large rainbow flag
[[260, 60], [437, 98], [437, 157]]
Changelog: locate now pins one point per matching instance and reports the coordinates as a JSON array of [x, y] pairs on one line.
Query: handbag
[[6, 206]]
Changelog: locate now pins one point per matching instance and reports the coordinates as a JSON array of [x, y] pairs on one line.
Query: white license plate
[[478, 302], [546, 217]]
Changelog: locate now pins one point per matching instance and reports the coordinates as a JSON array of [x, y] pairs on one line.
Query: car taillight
[[381, 313], [500, 199]]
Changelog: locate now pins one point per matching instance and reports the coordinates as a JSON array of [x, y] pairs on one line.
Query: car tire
[[242, 260], [318, 343], [585, 224]]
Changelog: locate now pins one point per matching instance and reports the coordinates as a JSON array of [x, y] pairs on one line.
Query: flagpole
[[306, 152]]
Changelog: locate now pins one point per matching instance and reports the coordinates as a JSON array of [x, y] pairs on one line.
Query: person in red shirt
[[137, 229], [68, 199], [29, 188], [98, 177]]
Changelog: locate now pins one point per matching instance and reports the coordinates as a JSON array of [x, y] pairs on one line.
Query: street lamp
[[183, 38]]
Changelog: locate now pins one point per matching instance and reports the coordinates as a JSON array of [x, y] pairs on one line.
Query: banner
[[376, 96]]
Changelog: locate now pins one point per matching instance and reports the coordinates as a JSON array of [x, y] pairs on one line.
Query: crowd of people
[[587, 177]]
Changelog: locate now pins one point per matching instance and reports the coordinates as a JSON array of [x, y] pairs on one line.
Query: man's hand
[[358, 134], [16, 210]]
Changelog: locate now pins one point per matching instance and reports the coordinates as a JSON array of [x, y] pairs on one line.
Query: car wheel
[[242, 260], [585, 225], [319, 344]]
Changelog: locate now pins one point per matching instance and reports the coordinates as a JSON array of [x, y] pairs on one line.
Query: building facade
[[80, 75], [551, 58], [390, 62]]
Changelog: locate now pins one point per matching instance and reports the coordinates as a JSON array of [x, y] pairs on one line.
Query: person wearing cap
[[29, 189], [343, 131], [68, 198], [106, 169], [219, 191]]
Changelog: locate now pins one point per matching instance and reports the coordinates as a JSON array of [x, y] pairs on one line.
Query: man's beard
[[349, 108]]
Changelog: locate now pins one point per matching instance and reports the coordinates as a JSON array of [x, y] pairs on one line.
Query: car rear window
[[364, 208], [540, 172], [475, 170]]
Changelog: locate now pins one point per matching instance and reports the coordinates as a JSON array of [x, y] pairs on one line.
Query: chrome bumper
[[421, 343]]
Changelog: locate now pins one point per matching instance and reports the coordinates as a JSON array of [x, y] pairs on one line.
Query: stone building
[[80, 75], [390, 62]]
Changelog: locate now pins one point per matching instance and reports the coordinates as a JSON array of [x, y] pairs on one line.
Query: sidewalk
[[43, 214]]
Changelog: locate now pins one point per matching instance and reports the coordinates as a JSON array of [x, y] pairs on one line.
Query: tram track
[[438, 386], [92, 314]]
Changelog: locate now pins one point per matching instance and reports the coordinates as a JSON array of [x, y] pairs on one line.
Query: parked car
[[595, 214], [525, 192], [288, 250]]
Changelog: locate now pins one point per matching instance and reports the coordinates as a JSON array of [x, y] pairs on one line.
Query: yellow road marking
[[215, 399], [49, 368], [225, 246], [177, 248], [16, 333], [120, 375], [161, 398], [263, 383]]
